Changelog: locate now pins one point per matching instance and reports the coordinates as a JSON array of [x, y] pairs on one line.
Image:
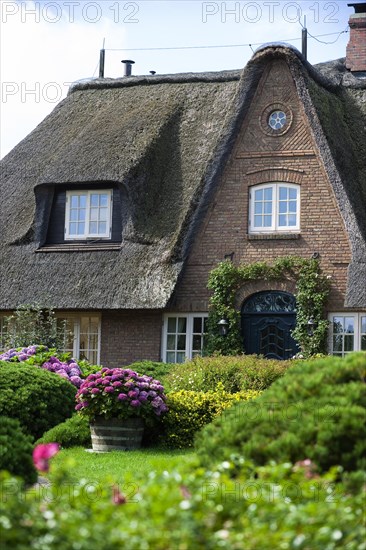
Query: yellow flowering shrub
[[189, 411]]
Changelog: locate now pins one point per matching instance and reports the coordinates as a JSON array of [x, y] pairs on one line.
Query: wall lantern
[[223, 325], [311, 324]]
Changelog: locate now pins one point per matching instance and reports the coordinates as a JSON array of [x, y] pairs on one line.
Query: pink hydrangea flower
[[42, 454]]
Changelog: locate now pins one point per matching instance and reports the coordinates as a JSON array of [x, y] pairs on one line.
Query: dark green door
[[267, 321]]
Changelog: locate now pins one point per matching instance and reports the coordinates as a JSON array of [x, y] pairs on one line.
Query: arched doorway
[[267, 319]]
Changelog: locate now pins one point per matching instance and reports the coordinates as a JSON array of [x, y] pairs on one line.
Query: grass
[[118, 466]]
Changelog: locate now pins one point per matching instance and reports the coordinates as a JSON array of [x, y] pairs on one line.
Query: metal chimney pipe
[[304, 40], [128, 66], [101, 63]]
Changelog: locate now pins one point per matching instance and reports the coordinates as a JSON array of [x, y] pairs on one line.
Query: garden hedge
[[235, 373], [39, 399], [74, 432], [16, 450], [316, 411]]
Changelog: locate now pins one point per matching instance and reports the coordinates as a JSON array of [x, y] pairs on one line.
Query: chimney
[[128, 66], [356, 47]]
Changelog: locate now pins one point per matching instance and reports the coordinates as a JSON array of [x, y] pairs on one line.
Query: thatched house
[[117, 206]]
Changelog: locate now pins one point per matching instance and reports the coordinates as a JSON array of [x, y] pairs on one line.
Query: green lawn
[[118, 466]]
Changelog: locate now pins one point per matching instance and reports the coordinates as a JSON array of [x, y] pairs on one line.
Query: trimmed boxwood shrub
[[74, 432], [236, 373], [36, 397], [16, 450], [316, 411], [189, 411]]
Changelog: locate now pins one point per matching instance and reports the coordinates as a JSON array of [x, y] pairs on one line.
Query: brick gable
[[259, 156]]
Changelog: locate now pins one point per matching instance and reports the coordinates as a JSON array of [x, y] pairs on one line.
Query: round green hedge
[[74, 432], [39, 399], [315, 411], [16, 450]]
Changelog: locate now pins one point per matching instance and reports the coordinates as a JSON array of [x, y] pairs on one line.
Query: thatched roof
[[164, 140]]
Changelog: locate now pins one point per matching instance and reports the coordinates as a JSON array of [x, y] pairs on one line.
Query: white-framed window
[[347, 333], [88, 214], [3, 332], [183, 336], [82, 335], [274, 207]]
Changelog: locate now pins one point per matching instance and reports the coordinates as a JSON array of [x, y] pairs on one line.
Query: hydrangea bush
[[46, 359], [120, 393]]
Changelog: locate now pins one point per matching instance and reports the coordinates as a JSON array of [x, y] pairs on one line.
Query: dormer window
[[88, 214]]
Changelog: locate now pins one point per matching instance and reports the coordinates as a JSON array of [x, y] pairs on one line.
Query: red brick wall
[[260, 157], [130, 336], [356, 47]]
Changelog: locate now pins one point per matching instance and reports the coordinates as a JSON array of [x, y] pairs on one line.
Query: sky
[[46, 45]]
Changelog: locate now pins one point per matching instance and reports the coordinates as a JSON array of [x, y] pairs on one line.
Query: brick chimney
[[356, 47]]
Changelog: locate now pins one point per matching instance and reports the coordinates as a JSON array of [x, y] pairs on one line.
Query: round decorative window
[[277, 120]]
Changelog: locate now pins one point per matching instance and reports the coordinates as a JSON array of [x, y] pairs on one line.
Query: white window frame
[[357, 334], [189, 332], [3, 331], [87, 234], [274, 227], [76, 318]]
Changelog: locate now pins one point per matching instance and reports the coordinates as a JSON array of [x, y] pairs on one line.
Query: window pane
[[81, 228], [267, 221], [181, 357], [182, 324], [93, 227], [197, 342], [283, 193], [258, 195], [282, 220], [170, 357], [292, 206], [292, 194], [267, 208], [94, 214], [337, 344], [363, 343], [73, 215], [103, 214], [73, 229], [348, 343], [94, 200], [337, 324], [258, 208], [197, 324], [292, 220], [282, 207], [74, 201], [181, 342], [363, 325], [103, 200], [170, 342], [205, 321], [172, 323], [349, 324], [268, 194], [102, 228], [257, 221], [82, 201]]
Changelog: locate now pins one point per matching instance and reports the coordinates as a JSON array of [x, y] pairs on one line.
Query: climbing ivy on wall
[[312, 290]]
